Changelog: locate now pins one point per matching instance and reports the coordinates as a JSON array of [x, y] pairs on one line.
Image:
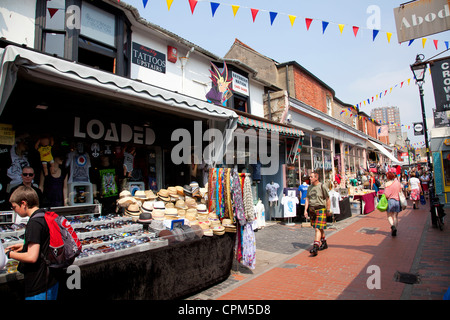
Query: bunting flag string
[[348, 112], [292, 18]]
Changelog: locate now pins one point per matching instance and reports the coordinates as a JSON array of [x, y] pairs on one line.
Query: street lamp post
[[408, 143], [419, 68]]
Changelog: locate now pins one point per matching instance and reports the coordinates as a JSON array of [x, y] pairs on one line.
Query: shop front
[[440, 152], [111, 134]]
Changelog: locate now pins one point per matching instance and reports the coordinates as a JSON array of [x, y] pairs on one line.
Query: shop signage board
[[441, 119], [421, 18], [240, 83], [440, 75], [148, 58], [418, 128], [7, 134]]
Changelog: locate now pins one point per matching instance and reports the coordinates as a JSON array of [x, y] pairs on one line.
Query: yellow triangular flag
[[169, 4], [235, 9], [292, 19], [341, 27], [409, 81], [423, 42], [389, 34]]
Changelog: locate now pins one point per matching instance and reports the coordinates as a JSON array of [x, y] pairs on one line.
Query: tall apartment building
[[390, 116]]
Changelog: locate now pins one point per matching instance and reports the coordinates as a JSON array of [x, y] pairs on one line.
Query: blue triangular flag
[[446, 44], [214, 6], [324, 26], [375, 33], [273, 15], [410, 41], [144, 2]]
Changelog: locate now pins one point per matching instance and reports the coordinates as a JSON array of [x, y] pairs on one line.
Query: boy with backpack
[[40, 282]]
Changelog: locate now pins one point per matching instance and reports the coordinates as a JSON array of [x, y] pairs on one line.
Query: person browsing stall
[[317, 207], [39, 282]]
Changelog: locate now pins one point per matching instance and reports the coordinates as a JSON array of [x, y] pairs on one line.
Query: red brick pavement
[[342, 271]]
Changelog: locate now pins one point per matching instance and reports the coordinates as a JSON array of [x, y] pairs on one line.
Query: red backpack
[[64, 244]]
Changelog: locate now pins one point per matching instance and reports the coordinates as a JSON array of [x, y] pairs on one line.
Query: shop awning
[[73, 75], [259, 124], [384, 151]]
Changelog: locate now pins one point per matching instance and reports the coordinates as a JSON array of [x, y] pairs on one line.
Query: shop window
[[292, 175], [53, 35], [326, 144], [305, 163], [240, 103], [316, 141]]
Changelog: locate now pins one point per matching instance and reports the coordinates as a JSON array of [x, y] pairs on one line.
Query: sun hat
[[181, 212], [163, 195], [191, 203], [219, 230], [180, 190], [191, 214], [145, 218], [159, 205], [180, 204], [140, 195], [173, 194], [124, 193], [158, 214], [169, 205], [208, 232], [150, 195], [147, 206], [171, 212], [187, 190], [126, 201], [201, 208], [133, 210]]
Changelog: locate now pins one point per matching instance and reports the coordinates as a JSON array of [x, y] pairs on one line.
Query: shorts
[[394, 206], [319, 219]]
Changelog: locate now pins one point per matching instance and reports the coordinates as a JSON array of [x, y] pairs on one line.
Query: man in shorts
[[317, 207]]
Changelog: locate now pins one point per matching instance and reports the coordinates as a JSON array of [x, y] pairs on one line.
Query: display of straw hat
[[173, 194], [201, 208], [171, 212], [195, 189], [170, 205], [215, 222], [159, 205], [181, 213], [163, 195], [208, 232]]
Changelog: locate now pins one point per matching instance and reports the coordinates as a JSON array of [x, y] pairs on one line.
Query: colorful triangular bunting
[[192, 4], [254, 13], [214, 6], [235, 9], [355, 30], [375, 33], [308, 23], [272, 15], [292, 19], [324, 26], [341, 27]]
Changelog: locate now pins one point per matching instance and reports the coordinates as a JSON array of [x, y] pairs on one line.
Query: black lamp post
[[419, 68]]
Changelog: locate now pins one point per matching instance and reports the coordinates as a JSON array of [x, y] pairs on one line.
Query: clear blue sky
[[357, 68]]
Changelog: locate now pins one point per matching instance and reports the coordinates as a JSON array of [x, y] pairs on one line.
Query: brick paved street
[[286, 271]]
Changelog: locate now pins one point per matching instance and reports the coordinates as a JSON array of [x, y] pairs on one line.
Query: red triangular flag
[[52, 12], [192, 3], [308, 23], [254, 13], [355, 30], [435, 43]]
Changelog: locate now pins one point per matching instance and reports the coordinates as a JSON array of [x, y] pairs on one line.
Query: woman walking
[[391, 191], [416, 189]]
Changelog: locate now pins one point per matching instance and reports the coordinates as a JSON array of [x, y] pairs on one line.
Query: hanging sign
[[148, 58], [440, 75], [240, 83], [418, 128], [421, 18]]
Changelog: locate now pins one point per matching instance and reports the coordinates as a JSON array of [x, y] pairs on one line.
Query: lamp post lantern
[[419, 68]]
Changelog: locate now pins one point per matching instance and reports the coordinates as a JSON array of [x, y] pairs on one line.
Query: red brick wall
[[310, 91]]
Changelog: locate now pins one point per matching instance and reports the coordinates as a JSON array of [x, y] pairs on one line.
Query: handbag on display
[[383, 203]]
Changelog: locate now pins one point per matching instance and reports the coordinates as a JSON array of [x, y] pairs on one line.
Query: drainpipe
[[183, 61], [268, 103]]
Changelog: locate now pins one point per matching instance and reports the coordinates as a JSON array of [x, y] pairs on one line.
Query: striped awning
[[282, 130]]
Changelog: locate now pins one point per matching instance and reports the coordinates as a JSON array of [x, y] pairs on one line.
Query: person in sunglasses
[[27, 180]]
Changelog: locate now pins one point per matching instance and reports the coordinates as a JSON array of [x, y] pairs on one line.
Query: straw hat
[[204, 224], [171, 212], [133, 210], [163, 195], [147, 206], [191, 203], [181, 213], [180, 204], [180, 190], [201, 209], [187, 190], [140, 195], [150, 195], [124, 193], [208, 232], [219, 230], [126, 201], [191, 214], [173, 193], [170, 205], [158, 214], [159, 205]]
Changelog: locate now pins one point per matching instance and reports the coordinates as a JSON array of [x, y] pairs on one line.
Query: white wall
[[196, 81], [256, 98], [17, 19]]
